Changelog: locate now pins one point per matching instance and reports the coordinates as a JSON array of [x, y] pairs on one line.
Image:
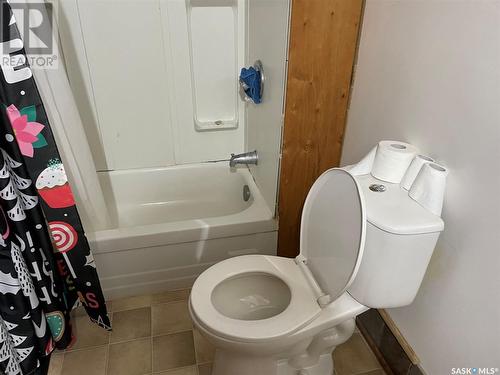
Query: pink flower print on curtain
[[26, 129]]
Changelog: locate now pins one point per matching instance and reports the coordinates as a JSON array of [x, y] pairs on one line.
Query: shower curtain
[[46, 265]]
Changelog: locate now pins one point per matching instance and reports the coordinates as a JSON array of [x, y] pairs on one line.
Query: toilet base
[[227, 363], [311, 356], [323, 367]]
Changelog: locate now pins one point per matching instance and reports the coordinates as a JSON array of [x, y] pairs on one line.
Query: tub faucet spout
[[245, 158]]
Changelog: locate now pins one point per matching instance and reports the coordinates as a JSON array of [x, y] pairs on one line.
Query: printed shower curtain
[[46, 265]]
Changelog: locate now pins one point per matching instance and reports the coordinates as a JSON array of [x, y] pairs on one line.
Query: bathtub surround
[[268, 42], [47, 265], [262, 35], [194, 51], [428, 74]]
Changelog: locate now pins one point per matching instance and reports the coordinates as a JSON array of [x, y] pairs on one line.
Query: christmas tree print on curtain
[[29, 289], [8, 353], [46, 265], [14, 190]]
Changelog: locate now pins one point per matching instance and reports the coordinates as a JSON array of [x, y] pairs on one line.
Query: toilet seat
[[302, 309]]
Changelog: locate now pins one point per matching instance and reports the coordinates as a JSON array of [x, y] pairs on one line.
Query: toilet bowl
[[262, 308], [279, 316]]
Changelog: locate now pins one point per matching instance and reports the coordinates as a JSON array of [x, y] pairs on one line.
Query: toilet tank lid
[[332, 233], [394, 211]]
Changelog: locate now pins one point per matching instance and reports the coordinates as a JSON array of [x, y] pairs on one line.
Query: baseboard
[[393, 352]]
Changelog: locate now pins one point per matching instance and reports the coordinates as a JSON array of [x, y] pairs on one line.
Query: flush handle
[[378, 188]]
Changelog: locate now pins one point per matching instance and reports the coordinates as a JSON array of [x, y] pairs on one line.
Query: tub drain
[[246, 193]]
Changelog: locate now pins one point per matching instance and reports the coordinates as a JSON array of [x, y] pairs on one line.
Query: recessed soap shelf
[[215, 125], [216, 28]]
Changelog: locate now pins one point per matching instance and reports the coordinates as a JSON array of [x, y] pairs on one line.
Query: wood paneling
[[323, 43]]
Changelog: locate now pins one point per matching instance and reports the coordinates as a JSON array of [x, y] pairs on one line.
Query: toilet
[[364, 243]]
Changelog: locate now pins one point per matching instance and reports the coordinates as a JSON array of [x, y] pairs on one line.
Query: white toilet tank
[[400, 238]]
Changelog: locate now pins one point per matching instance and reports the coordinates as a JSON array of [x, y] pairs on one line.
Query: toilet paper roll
[[412, 171], [429, 187], [392, 160], [364, 166]]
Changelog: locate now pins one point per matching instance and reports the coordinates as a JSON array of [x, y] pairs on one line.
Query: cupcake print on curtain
[[45, 262]]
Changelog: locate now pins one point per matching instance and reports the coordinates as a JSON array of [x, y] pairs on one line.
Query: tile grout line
[[173, 333], [150, 305], [62, 363], [173, 369], [151, 302], [129, 340], [368, 371], [371, 351], [106, 361], [365, 371], [151, 337], [84, 348], [194, 343]]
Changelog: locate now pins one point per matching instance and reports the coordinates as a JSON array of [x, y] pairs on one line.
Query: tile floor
[[153, 334]]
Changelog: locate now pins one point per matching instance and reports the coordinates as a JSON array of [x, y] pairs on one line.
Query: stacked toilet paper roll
[[364, 166], [413, 169], [392, 159], [429, 187]]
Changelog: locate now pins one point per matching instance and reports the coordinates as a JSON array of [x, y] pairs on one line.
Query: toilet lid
[[332, 233]]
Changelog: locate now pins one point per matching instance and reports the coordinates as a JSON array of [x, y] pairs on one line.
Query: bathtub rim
[[256, 218]]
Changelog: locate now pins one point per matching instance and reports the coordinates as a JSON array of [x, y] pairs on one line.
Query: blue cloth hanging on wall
[[251, 78]]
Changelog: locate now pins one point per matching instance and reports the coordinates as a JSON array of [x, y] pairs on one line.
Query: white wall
[[268, 41], [429, 73], [144, 84]]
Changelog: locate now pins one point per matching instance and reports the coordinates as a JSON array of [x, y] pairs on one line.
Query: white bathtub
[[172, 223]]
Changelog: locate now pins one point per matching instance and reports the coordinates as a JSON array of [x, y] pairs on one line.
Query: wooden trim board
[[389, 346], [323, 40], [397, 334]]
